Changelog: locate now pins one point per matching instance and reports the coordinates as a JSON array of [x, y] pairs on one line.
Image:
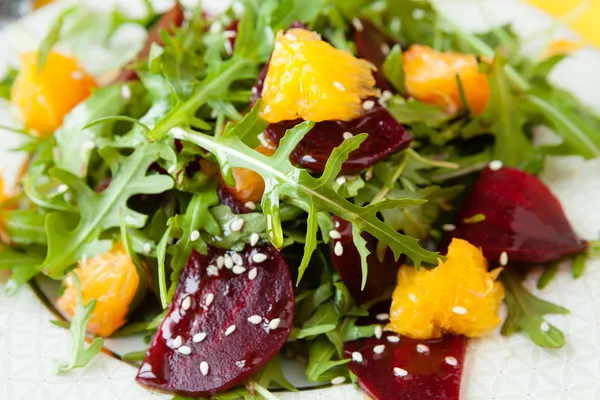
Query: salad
[[349, 184]]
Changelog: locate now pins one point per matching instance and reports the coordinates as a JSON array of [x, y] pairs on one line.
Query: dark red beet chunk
[[373, 45], [522, 218], [228, 199], [231, 356], [430, 375], [382, 275]]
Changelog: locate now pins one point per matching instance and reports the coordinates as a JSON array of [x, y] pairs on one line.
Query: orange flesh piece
[[459, 296], [44, 99], [430, 76], [249, 186], [310, 79], [110, 278]]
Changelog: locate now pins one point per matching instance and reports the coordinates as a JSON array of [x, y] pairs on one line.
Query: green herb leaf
[[320, 359], [475, 219], [225, 238], [549, 273], [24, 226], [323, 320], [579, 264], [411, 111], [52, 37], [393, 68]]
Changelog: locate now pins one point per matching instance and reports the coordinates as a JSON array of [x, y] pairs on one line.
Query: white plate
[[496, 367]]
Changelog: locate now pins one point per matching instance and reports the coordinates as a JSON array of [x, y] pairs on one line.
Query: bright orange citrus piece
[[459, 296], [249, 186], [112, 279], [45, 98], [310, 79], [430, 76]]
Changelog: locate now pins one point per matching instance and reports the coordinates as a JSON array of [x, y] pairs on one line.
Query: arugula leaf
[[6, 83], [273, 373], [411, 111], [549, 273], [320, 354], [579, 264], [24, 226], [526, 313], [101, 211], [289, 11], [223, 215], [323, 320], [393, 68], [23, 265], [52, 37], [81, 355]]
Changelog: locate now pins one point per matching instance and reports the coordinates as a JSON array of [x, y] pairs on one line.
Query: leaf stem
[[264, 392]]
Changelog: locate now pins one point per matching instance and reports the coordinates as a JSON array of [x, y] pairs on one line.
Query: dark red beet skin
[[373, 45], [232, 358], [522, 218], [382, 275], [426, 375]]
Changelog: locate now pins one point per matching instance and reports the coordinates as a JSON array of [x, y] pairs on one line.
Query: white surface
[[497, 367]]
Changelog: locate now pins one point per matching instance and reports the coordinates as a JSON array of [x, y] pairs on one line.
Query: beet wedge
[[382, 275], [388, 369], [374, 46], [223, 324]]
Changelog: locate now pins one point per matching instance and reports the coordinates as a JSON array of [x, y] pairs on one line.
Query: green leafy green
[[393, 68], [549, 273], [24, 226], [579, 264], [52, 37]]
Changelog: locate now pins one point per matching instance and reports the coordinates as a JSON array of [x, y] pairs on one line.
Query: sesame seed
[[418, 13], [290, 36], [255, 319], [385, 48], [335, 234], [125, 92], [177, 342], [412, 297], [199, 337], [252, 274], [338, 380], [147, 248], [503, 260], [368, 105], [386, 95], [220, 261], [274, 323], [237, 225], [339, 86], [62, 188], [357, 24], [378, 331], [451, 361], [185, 350], [254, 238], [338, 249], [544, 326], [383, 316], [228, 261], [195, 235], [186, 303], [347, 135], [357, 357], [259, 257], [238, 270], [400, 372], [254, 90], [229, 34], [393, 339], [204, 368], [495, 165], [449, 227], [215, 27], [379, 349], [241, 363], [341, 180], [459, 310], [172, 169], [228, 47], [422, 348], [250, 205], [211, 270], [230, 330], [209, 299]]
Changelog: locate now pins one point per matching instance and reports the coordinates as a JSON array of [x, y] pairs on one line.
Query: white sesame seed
[[338, 249], [177, 342], [228, 47], [335, 234], [357, 357], [368, 105], [211, 270], [195, 235], [400, 372], [186, 303], [451, 361], [347, 135], [379, 349], [274, 323], [204, 368], [215, 27], [185, 350], [237, 259], [252, 274], [220, 261], [393, 339], [383, 316], [422, 348], [339, 86], [229, 34], [147, 248], [237, 225], [241, 363], [250, 205], [378, 331], [254, 238], [62, 188], [255, 319], [290, 36], [418, 13], [338, 380], [386, 95], [503, 260], [77, 75], [545, 327], [228, 261], [230, 330], [495, 165], [199, 337], [357, 24], [238, 270], [259, 257], [341, 180], [459, 310], [126, 92], [172, 169], [385, 48], [209, 299], [449, 227], [412, 297], [254, 90]]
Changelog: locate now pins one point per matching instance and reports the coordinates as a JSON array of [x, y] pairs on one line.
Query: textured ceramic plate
[[497, 367]]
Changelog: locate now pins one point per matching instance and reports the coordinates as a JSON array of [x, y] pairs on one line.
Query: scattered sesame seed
[[400, 372], [422, 348], [126, 92], [241, 363], [393, 339], [368, 105], [357, 357], [220, 261], [228, 47], [379, 349], [209, 299], [347, 135], [195, 235], [338, 249], [186, 303], [338, 380], [172, 169], [204, 368], [211, 270], [339, 86], [418, 13], [412, 297], [185, 350], [341, 180], [254, 90], [238, 270], [544, 326], [290, 36], [263, 140], [177, 342], [357, 24], [385, 48], [274, 323], [495, 165], [230, 330], [237, 259], [250, 205], [77, 75], [252, 274], [449, 227], [459, 310], [503, 260], [378, 331], [199, 337], [62, 188], [228, 261], [451, 361], [383, 316], [230, 34], [255, 319], [237, 225], [254, 238], [147, 248], [259, 257], [335, 234], [386, 95]]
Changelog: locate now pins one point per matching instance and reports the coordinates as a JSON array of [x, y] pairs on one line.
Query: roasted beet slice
[[522, 218], [388, 369], [374, 46], [228, 199], [382, 275], [223, 324]]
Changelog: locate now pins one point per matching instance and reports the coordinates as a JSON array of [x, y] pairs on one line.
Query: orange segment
[[459, 296], [45, 98], [249, 186], [430, 76], [110, 278], [310, 79]]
